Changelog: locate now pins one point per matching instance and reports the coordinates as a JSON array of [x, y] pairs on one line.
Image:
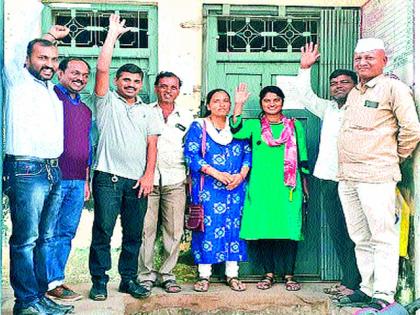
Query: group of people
[[249, 175]]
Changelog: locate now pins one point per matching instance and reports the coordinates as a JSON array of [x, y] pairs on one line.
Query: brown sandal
[[235, 284], [292, 285], [170, 286], [202, 285], [265, 283]]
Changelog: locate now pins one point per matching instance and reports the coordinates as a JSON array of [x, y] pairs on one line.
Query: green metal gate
[[255, 44], [88, 25]]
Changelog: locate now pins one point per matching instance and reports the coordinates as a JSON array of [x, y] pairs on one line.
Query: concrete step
[[220, 299]]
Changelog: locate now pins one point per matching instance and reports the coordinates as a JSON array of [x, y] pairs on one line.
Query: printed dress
[[222, 208]]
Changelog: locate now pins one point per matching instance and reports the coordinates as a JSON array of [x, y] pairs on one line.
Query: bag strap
[[203, 150], [203, 153]]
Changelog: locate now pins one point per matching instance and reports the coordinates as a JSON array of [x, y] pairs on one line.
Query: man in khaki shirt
[[380, 129]]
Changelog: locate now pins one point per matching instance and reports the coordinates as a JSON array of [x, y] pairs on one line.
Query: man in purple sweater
[[74, 163]]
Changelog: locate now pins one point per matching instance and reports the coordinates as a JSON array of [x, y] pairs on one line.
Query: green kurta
[[268, 212]]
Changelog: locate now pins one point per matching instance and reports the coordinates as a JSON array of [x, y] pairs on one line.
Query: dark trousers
[[344, 246], [112, 196], [277, 256]]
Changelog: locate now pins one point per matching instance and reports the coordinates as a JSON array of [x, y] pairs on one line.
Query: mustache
[[46, 68], [78, 81]]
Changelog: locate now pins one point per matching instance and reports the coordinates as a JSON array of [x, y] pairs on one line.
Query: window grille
[[265, 34], [89, 28]]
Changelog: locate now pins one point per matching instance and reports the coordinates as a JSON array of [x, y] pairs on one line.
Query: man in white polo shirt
[[124, 170], [168, 196], [326, 168]]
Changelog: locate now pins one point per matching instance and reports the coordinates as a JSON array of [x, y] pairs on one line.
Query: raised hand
[[310, 55], [117, 26], [58, 31], [241, 96]]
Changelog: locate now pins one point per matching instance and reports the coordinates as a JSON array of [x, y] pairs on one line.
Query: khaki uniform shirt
[[380, 128]]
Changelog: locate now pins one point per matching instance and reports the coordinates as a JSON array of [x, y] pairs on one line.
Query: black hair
[[349, 73], [208, 99], [40, 41], [271, 89], [167, 74], [64, 63], [131, 68]]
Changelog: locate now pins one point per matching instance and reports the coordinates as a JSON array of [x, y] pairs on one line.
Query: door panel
[[257, 75]]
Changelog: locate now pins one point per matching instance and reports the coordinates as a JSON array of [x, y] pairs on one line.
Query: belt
[[52, 162]]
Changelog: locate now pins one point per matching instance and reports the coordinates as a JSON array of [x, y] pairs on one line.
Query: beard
[[37, 73]]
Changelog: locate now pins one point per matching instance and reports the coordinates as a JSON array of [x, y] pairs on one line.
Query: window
[[89, 28], [263, 34]]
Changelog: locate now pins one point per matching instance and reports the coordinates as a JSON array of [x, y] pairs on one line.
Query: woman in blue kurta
[[218, 183]]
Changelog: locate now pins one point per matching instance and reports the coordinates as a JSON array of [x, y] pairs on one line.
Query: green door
[[255, 44], [88, 25]]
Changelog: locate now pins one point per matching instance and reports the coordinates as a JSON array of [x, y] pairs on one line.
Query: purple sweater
[[77, 123]]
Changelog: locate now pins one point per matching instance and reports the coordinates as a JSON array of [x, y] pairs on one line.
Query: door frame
[[335, 22]]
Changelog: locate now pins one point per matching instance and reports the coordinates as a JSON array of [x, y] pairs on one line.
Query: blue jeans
[[71, 205], [115, 196], [33, 188]]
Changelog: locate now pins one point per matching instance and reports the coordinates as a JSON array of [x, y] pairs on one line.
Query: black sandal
[[265, 283]]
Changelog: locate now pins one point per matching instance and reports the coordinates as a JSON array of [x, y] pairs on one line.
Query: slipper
[[357, 299], [202, 285], [170, 286], [265, 283], [292, 285], [235, 284], [334, 289]]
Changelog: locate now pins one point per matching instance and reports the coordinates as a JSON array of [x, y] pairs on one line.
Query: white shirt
[[326, 166], [170, 165], [34, 115]]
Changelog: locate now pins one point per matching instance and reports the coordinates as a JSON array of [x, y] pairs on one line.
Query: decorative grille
[[252, 34], [89, 28]]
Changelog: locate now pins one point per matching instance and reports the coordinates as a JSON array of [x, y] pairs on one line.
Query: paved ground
[[219, 300]]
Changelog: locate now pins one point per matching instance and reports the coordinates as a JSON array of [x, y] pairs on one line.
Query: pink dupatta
[[288, 137]]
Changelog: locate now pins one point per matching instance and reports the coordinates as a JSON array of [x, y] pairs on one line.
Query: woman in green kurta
[[272, 215]]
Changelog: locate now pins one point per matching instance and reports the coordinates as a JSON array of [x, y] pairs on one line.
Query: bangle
[[242, 177], [55, 38]]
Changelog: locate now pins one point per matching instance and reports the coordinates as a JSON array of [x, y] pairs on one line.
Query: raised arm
[[116, 29], [241, 96], [316, 105], [310, 54], [56, 32]]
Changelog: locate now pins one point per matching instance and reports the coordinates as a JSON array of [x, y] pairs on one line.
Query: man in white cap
[[380, 129]]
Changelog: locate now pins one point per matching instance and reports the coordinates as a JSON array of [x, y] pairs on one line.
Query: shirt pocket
[[364, 117]]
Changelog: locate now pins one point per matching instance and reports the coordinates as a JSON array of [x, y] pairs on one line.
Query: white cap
[[368, 44]]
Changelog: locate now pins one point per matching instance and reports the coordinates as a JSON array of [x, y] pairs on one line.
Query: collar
[[43, 83], [371, 83], [175, 111], [65, 91], [137, 102]]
